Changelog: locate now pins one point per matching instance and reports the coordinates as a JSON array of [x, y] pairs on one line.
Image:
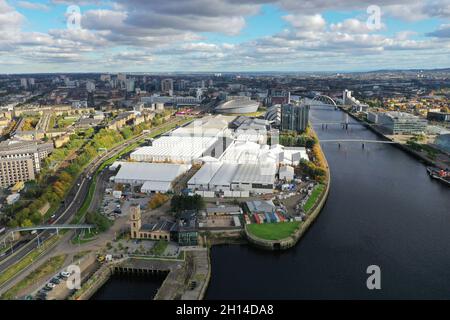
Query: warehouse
[[224, 177], [201, 180], [153, 177], [254, 178], [175, 149]]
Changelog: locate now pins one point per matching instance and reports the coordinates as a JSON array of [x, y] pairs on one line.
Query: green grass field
[[273, 231], [25, 262], [313, 198]]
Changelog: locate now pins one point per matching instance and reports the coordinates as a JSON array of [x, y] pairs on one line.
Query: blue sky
[[222, 35]]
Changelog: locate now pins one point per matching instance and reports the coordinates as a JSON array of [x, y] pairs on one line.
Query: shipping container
[[261, 217], [280, 216]]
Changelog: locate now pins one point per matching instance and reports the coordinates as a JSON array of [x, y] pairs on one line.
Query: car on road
[[50, 285], [41, 296]]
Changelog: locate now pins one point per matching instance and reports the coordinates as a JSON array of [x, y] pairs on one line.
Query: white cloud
[[33, 5], [306, 22]]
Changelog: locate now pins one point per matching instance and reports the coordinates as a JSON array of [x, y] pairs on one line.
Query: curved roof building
[[238, 106]]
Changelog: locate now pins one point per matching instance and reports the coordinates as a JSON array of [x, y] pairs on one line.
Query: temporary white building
[[174, 149], [154, 177], [201, 179], [286, 173]]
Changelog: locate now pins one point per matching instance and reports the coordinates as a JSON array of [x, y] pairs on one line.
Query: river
[[129, 287], [382, 209]]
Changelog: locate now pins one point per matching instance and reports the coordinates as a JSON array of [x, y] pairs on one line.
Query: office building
[[90, 86], [129, 84], [395, 122], [438, 116], [167, 86], [294, 117], [279, 97], [21, 160]]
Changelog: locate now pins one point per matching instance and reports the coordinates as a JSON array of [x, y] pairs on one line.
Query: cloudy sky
[[222, 35]]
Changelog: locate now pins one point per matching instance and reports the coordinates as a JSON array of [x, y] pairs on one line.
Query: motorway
[[73, 202]]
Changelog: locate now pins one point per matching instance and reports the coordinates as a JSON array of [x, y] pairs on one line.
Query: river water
[[382, 209], [129, 287]]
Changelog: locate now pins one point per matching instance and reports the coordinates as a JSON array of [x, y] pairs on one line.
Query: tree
[[184, 202]]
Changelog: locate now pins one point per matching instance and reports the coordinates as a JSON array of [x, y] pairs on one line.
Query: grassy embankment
[[46, 270], [28, 260], [318, 189], [273, 231]]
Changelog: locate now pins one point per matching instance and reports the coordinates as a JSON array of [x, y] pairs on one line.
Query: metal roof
[[150, 171]]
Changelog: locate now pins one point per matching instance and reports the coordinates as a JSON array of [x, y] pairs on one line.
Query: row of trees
[[294, 139], [158, 200], [316, 168], [53, 186]]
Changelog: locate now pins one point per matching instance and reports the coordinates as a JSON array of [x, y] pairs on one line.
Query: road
[[74, 200]]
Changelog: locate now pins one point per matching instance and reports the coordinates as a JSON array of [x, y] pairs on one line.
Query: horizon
[[233, 72]]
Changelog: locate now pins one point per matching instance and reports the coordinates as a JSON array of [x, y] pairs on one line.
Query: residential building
[[438, 116], [294, 117], [167, 86]]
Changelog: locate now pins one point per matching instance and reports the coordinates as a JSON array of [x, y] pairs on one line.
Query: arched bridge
[[321, 99]]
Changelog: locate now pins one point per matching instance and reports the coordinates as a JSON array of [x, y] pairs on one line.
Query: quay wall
[[292, 240]]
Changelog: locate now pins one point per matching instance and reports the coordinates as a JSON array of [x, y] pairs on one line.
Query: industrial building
[[203, 137], [174, 149], [273, 114], [438, 116], [250, 152], [223, 177], [152, 177], [395, 122], [250, 129], [286, 173]]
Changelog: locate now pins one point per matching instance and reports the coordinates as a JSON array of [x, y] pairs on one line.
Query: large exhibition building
[[238, 105], [235, 159]]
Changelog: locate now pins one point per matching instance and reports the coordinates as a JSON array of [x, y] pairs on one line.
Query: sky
[[44, 36]]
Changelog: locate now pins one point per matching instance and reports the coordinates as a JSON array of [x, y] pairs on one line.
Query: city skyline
[[222, 35]]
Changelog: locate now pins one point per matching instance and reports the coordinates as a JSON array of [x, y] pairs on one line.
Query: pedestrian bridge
[[359, 140], [56, 227]]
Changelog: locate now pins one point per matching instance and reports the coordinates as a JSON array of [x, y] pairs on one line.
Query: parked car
[[55, 281], [50, 285], [65, 274]]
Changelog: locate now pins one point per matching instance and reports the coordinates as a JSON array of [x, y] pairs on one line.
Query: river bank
[[183, 279], [424, 159], [312, 214]]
